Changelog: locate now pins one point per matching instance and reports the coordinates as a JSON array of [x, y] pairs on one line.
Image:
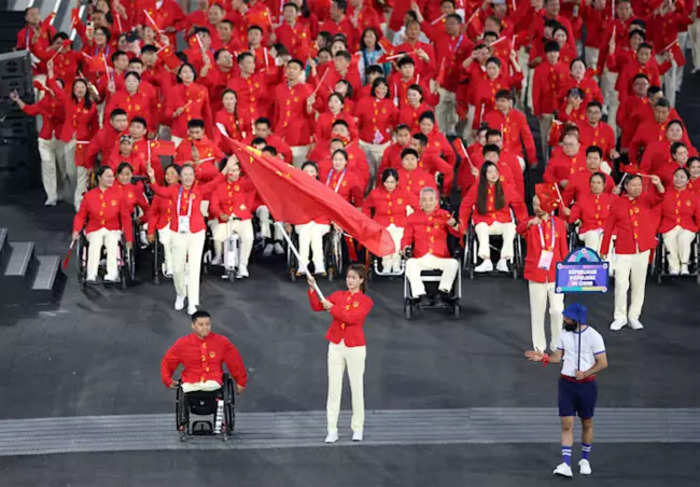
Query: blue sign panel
[[583, 271]]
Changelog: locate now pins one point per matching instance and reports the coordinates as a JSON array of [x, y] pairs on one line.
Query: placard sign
[[583, 271]]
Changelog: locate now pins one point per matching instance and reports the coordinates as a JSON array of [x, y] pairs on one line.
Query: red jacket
[[680, 208], [193, 196], [516, 133], [560, 247], [104, 142], [547, 81], [562, 167], [602, 135], [411, 182], [349, 312], [579, 185], [592, 210], [634, 223], [469, 208], [389, 208], [80, 121], [202, 359], [233, 199], [428, 233], [376, 119], [160, 214], [292, 121], [52, 115], [104, 209], [195, 99]]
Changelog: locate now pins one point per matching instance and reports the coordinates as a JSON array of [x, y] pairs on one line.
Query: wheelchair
[[659, 268], [516, 266], [333, 255], [375, 267], [126, 263], [231, 256], [217, 407], [432, 278]]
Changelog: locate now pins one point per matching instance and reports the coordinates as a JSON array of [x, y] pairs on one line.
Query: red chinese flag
[[46, 23], [548, 195], [170, 59], [163, 148], [150, 21], [386, 46], [677, 54], [94, 64], [293, 197]]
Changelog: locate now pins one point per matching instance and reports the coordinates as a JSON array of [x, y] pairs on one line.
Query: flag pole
[[296, 253]]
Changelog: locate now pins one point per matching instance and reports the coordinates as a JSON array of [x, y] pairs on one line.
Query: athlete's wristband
[[545, 360]]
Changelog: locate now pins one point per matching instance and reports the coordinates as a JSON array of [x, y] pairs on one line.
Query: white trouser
[[165, 236], [540, 293], [311, 239], [71, 171], [677, 242], [53, 166], [545, 120], [630, 272], [446, 111], [593, 238], [414, 266], [483, 231], [694, 38], [591, 54], [244, 229], [610, 96], [176, 140], [187, 249], [340, 356], [207, 385], [669, 80], [393, 261], [263, 215], [299, 155], [110, 239], [523, 60], [374, 153]]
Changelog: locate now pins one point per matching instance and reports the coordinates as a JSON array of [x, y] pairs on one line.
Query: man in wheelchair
[[426, 230], [202, 354]]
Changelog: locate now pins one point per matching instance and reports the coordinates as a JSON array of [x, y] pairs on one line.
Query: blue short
[[577, 398]]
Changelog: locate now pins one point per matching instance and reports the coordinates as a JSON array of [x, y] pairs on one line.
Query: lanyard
[[459, 41], [179, 198], [539, 227], [340, 179]]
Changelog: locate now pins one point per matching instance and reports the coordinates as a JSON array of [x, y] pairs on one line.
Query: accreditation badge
[[183, 224], [546, 257]]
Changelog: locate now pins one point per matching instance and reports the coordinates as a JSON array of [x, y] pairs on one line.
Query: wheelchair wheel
[[181, 415], [229, 406], [81, 261], [407, 309]]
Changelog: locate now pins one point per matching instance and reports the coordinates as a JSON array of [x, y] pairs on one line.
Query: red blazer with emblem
[[349, 312], [376, 117], [388, 207], [592, 210], [197, 193], [411, 182], [292, 122], [469, 206], [680, 208], [195, 99], [428, 233], [534, 248], [160, 214], [634, 223], [104, 209], [233, 198], [202, 359]]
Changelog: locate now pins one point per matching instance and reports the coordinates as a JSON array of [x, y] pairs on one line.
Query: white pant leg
[[623, 268], [412, 272], [71, 171], [374, 153], [610, 96], [112, 238], [220, 232], [299, 155], [48, 167], [336, 369], [244, 229], [446, 111], [694, 38], [671, 244], [263, 215], [394, 260], [165, 236], [59, 149], [318, 230], [545, 122], [507, 231], [179, 244], [591, 54], [195, 246], [355, 360], [638, 277], [538, 304], [81, 185], [95, 241], [556, 319], [685, 242], [482, 236], [591, 239], [448, 266], [176, 140], [304, 233]]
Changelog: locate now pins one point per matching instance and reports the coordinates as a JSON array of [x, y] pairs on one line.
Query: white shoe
[[50, 202], [684, 270], [216, 260], [179, 303], [357, 436], [564, 470], [267, 251], [191, 309], [485, 266], [502, 266], [584, 467], [242, 272], [331, 437], [674, 271], [618, 325], [635, 324], [279, 250]]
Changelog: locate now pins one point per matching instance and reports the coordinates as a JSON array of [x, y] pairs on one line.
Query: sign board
[[583, 271]]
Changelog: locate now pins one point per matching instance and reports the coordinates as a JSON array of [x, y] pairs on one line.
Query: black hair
[[594, 148], [124, 165], [390, 172], [408, 151], [117, 112], [140, 120], [195, 123], [200, 313], [376, 83]]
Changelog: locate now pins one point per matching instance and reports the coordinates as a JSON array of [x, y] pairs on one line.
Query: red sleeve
[[169, 363], [608, 232], [352, 316], [125, 217], [576, 213], [80, 217], [528, 141], [152, 216], [563, 241], [215, 203], [314, 300], [407, 238], [234, 363], [466, 207]]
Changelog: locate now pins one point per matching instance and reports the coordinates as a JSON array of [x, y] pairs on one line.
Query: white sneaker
[[267, 251], [485, 266], [216, 260], [50, 202], [179, 303], [279, 250], [684, 270], [191, 309], [635, 324], [331, 437], [618, 325], [584, 467], [564, 470], [502, 266], [242, 272], [357, 436], [674, 271]]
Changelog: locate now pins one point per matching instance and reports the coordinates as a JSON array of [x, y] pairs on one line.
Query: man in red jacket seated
[[426, 229], [202, 354]]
